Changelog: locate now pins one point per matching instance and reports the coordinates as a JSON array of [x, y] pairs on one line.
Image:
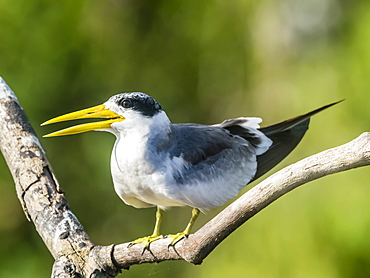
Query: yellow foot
[[176, 238], [145, 241]]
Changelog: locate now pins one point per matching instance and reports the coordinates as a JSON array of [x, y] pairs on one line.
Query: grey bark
[[44, 202]]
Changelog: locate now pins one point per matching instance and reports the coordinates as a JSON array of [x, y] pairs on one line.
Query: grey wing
[[215, 164], [248, 128]]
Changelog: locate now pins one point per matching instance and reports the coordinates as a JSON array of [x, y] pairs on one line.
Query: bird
[[157, 163]]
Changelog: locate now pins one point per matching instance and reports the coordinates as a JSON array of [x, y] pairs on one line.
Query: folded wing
[[285, 137]]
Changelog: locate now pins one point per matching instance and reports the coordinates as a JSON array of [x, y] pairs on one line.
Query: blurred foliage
[[204, 61]]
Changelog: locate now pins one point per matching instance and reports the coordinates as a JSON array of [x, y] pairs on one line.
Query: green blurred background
[[204, 61]]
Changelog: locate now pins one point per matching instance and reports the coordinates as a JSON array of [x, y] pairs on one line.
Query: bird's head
[[121, 111]]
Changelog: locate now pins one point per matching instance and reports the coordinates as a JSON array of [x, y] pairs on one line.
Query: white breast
[[138, 180]]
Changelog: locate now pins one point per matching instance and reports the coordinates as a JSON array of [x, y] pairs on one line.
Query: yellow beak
[[94, 112]]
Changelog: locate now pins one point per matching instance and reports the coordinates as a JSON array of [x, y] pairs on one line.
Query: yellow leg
[[179, 236], [158, 221], [146, 241]]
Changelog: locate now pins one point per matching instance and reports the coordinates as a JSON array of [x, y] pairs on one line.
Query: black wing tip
[[314, 112], [287, 124], [325, 107], [286, 136]]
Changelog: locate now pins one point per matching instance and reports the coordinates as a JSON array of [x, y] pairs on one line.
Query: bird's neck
[[140, 131], [133, 146]]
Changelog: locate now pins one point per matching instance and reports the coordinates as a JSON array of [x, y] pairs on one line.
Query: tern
[[157, 163]]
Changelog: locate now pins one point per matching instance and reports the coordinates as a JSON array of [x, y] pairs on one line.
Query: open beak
[[98, 111]]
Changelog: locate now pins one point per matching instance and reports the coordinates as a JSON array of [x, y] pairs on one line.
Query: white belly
[[136, 181]]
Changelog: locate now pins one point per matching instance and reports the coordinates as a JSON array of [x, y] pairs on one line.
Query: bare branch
[[42, 199], [44, 203]]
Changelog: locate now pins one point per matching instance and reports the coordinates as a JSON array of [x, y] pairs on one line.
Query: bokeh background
[[204, 61]]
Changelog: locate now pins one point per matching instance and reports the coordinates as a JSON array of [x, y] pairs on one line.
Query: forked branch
[[44, 202]]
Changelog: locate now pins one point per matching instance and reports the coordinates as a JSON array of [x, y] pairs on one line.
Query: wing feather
[[214, 164]]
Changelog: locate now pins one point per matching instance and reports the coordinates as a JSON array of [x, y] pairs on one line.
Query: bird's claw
[[176, 238], [145, 241]]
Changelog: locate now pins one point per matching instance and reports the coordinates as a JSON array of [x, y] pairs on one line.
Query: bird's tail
[[285, 137]]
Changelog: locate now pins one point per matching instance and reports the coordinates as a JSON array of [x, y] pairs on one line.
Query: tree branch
[[44, 203]]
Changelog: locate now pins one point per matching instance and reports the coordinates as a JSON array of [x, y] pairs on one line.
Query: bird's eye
[[126, 103]]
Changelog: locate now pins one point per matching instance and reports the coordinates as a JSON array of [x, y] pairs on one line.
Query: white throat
[[137, 125]]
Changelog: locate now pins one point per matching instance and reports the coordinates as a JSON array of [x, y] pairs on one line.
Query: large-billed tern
[[157, 163]]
